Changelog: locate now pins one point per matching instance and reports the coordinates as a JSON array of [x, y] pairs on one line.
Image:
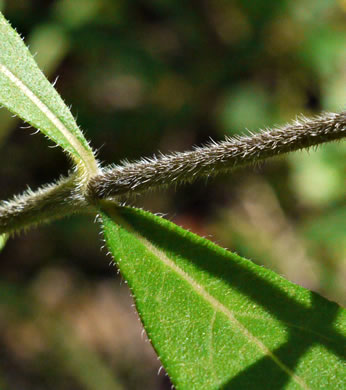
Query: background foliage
[[156, 75]]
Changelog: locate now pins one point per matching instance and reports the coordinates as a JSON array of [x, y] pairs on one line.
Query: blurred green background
[[155, 75]]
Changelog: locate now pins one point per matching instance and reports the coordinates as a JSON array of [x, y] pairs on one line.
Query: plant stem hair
[[216, 158]]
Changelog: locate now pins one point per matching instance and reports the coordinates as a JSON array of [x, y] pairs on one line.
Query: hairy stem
[[217, 158], [48, 203], [66, 197]]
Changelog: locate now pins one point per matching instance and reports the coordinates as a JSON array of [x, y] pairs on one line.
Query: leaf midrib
[[87, 158], [216, 305]]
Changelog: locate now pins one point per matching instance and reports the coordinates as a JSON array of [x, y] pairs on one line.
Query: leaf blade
[[26, 92], [191, 322], [3, 239]]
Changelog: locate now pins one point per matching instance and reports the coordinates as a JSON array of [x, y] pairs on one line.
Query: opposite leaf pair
[[215, 319]]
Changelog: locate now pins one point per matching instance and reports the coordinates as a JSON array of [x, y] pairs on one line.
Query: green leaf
[[51, 44], [217, 320], [3, 240], [26, 92]]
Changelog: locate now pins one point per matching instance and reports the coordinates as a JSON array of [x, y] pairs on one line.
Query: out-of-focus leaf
[[217, 320], [76, 13], [318, 177], [245, 107], [3, 240], [328, 230], [51, 44], [27, 93]]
